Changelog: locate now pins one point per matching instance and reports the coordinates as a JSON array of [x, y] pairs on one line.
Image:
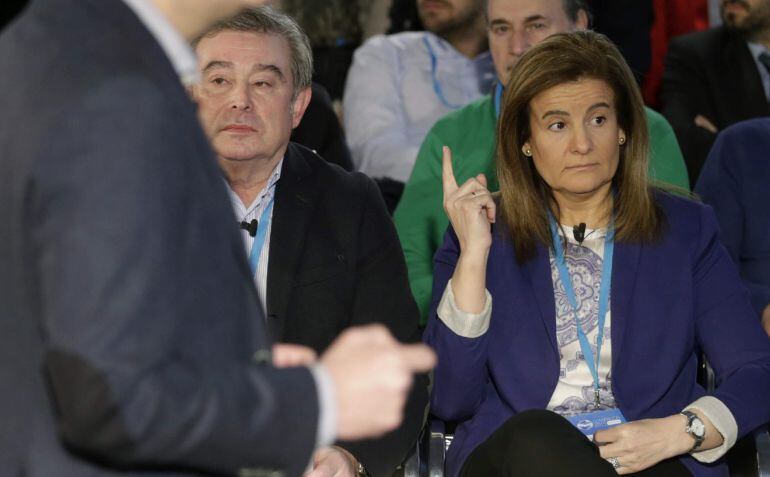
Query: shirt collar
[[757, 49], [178, 51], [264, 196]]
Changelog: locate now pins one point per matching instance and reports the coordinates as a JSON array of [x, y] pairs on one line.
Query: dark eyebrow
[[532, 18], [557, 112], [272, 69], [217, 64], [599, 105]]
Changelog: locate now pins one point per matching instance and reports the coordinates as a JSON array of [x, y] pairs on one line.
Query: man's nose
[[518, 44], [240, 98]]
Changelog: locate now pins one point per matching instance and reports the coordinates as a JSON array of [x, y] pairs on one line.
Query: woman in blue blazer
[[576, 303]]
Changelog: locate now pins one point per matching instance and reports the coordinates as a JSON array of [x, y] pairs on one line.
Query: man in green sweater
[[513, 27]]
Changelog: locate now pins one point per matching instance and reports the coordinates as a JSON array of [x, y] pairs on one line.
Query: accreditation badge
[[590, 422]]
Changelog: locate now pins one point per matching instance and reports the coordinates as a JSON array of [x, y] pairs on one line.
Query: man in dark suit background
[[324, 251], [717, 77], [131, 338]]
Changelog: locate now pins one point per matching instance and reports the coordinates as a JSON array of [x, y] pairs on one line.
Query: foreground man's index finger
[[419, 357]]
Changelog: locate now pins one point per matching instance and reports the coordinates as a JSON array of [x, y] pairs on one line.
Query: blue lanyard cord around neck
[[498, 96], [604, 294], [436, 85], [259, 239]]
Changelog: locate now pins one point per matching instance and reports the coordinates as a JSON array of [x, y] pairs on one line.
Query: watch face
[[697, 427]]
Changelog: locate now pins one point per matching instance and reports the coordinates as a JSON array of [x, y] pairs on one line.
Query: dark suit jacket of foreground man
[[128, 318], [335, 262]]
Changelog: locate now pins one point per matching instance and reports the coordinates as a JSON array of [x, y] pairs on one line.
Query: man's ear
[[300, 106], [582, 20]]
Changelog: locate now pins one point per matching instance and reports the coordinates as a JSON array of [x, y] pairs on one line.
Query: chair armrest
[[437, 448], [762, 442]]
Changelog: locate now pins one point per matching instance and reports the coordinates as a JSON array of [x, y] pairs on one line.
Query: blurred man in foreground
[[133, 342]]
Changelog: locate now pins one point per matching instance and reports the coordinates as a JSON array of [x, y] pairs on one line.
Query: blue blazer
[[669, 300], [734, 182]]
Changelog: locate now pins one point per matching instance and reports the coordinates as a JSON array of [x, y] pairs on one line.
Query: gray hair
[[264, 19]]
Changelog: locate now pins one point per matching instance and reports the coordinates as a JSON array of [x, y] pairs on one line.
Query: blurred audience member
[[320, 130], [718, 77], [627, 23], [735, 181], [400, 85], [335, 31], [574, 307], [672, 18], [514, 26], [323, 250], [133, 341]]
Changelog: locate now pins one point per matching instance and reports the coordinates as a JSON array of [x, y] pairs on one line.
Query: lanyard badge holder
[[589, 423]]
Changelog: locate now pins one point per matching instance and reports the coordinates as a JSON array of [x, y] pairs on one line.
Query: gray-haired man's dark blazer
[[128, 318]]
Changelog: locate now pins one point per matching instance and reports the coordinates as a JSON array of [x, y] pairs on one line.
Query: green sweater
[[470, 133]]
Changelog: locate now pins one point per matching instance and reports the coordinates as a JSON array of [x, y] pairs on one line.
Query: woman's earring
[[622, 140], [528, 152]]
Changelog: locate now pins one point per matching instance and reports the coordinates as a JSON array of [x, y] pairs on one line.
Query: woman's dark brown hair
[[525, 197]]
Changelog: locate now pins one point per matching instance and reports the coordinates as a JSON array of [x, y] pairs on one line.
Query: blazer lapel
[[539, 271], [624, 265], [294, 198], [737, 52]]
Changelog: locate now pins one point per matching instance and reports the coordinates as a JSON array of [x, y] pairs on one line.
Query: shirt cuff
[[327, 407], [721, 417], [467, 325]]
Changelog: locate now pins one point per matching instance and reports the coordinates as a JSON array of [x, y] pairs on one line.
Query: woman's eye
[[599, 120], [557, 126], [218, 81]]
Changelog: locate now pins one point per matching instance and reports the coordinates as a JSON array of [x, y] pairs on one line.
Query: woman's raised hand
[[470, 208]]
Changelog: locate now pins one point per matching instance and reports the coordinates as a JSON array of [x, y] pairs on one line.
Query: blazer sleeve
[[728, 331], [720, 186], [382, 295], [120, 249], [460, 377], [684, 97]]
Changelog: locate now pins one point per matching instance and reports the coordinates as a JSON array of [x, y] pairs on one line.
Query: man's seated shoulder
[[400, 42], [477, 115], [701, 42], [332, 177]]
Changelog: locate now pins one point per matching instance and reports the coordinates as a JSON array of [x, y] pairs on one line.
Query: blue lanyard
[[604, 294], [259, 239], [498, 97], [436, 85]]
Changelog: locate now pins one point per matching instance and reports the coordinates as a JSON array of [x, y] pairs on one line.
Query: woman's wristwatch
[[695, 428]]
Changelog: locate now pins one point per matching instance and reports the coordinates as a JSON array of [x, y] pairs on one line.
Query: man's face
[[514, 26], [245, 98], [445, 16], [750, 16]]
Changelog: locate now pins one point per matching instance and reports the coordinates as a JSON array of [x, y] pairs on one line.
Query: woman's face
[[575, 141]]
